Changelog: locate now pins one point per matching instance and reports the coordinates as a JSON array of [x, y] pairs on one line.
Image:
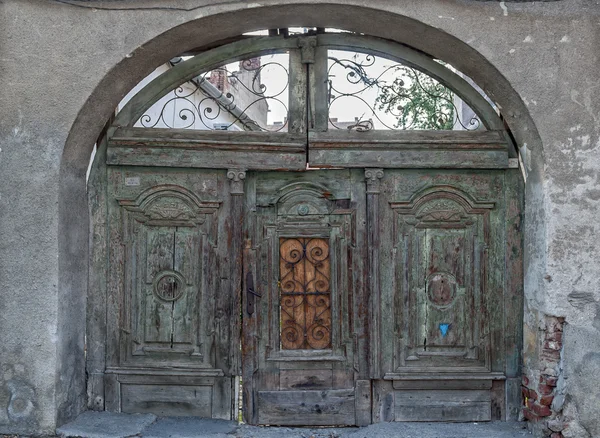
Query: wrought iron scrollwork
[[304, 269], [208, 97], [396, 96]]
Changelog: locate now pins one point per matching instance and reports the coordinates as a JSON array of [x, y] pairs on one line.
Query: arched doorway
[[371, 262]]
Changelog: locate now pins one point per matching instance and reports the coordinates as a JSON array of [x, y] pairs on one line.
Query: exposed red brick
[[551, 381], [545, 389], [525, 392], [552, 345], [556, 435], [524, 380], [542, 411], [553, 355], [554, 337], [530, 416], [546, 400], [533, 395]]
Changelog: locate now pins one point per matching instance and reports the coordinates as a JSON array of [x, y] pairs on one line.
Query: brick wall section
[[539, 392]]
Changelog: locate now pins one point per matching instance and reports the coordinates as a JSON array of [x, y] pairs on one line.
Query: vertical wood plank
[[362, 402], [116, 279], [250, 323], [513, 325], [373, 178], [113, 393], [319, 104], [513, 300], [236, 189], [297, 94]]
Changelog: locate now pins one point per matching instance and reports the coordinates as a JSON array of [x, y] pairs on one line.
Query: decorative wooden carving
[[236, 178], [168, 231], [442, 241], [304, 269], [373, 177]]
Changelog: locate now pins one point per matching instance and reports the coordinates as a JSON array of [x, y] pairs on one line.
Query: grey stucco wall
[[540, 61]]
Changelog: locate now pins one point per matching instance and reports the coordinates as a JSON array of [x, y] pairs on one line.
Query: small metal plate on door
[[132, 181]]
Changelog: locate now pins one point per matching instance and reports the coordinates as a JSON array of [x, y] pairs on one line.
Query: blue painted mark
[[444, 329]]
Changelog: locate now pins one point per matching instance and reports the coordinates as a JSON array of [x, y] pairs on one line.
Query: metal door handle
[[250, 293], [253, 292]]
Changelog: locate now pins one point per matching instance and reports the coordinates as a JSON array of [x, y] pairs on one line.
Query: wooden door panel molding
[[444, 253], [304, 237], [442, 240], [168, 326], [168, 239]]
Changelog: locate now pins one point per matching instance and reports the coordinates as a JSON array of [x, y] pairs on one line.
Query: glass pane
[[304, 272], [368, 92], [250, 95]]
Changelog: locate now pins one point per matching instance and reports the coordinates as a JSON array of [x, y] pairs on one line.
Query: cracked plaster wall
[[53, 58]]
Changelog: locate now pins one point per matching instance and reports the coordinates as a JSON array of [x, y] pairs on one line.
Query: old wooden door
[[171, 338], [449, 258], [352, 271], [304, 303]]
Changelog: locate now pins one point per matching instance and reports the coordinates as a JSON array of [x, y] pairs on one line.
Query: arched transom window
[[318, 99]]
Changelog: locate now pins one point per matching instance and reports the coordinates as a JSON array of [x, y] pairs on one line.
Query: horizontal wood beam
[[287, 151], [409, 149], [206, 149]]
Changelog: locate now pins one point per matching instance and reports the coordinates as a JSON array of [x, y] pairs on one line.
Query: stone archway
[[73, 248]]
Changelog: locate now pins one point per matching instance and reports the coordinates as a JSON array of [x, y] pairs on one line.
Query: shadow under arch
[[73, 246]]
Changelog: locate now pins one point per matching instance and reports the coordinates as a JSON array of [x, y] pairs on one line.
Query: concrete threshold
[[112, 425]]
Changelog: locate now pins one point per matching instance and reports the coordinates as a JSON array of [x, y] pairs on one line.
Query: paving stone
[[92, 424], [111, 425], [189, 427]]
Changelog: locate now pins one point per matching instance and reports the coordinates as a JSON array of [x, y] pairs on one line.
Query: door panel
[[305, 256], [442, 281], [172, 306]]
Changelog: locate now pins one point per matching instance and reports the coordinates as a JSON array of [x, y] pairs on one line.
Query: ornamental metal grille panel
[[373, 92], [238, 96], [305, 294]]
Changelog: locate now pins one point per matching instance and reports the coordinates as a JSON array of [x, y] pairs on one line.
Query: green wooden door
[[449, 274], [171, 312], [386, 286], [304, 304], [380, 295]]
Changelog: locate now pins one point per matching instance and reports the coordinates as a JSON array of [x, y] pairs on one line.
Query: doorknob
[[250, 293]]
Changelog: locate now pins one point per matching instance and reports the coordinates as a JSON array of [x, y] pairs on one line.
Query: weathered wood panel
[[409, 149], [318, 408], [442, 405], [305, 379], [170, 323], [362, 399], [317, 212], [166, 400], [442, 384]]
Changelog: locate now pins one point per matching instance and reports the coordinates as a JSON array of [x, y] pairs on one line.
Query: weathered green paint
[[319, 204], [444, 285], [426, 265]]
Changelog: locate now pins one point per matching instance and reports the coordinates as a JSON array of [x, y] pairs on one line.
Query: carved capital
[[307, 49], [373, 177], [236, 178]]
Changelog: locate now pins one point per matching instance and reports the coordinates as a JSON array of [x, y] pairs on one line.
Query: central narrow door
[[303, 303]]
